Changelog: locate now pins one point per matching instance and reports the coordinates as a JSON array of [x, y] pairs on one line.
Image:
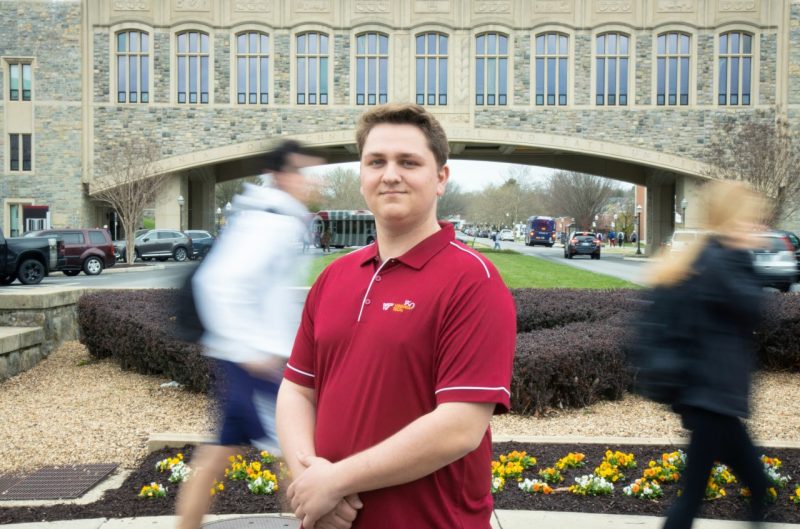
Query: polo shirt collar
[[423, 252]]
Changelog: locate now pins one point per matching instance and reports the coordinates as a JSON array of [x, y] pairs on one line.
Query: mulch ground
[[236, 499]]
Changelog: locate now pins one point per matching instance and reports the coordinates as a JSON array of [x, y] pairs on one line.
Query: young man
[[243, 298], [404, 353]]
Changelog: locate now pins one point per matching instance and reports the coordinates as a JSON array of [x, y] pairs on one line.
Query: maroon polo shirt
[[383, 344]]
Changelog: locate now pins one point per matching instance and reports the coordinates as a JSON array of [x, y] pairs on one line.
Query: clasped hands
[[316, 500]]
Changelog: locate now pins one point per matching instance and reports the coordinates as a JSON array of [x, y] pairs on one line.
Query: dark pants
[[721, 438]]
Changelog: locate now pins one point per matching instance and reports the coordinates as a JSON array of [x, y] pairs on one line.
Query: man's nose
[[392, 172]]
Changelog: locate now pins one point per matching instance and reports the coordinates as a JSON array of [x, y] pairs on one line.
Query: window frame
[[754, 63], [424, 32], [293, 69], [20, 62], [20, 147], [692, 92], [234, 55], [174, 73], [631, 85], [570, 57], [509, 34], [377, 56], [114, 64]]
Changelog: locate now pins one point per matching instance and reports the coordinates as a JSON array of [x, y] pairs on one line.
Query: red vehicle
[[87, 250]]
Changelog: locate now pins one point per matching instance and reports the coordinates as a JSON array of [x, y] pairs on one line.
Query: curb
[[144, 268]]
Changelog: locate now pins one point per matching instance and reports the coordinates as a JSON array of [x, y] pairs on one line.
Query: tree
[[578, 195], [225, 191], [452, 203], [765, 155], [341, 189], [131, 186]]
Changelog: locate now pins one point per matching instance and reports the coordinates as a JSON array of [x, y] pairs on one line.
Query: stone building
[[630, 89]]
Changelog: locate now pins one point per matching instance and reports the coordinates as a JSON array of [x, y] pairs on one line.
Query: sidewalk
[[501, 520]]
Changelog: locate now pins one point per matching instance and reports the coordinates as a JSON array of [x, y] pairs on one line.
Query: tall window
[[432, 69], [20, 154], [491, 69], [252, 68], [19, 77], [133, 67], [193, 68], [372, 68], [552, 57], [611, 69], [672, 64], [735, 63], [312, 69]]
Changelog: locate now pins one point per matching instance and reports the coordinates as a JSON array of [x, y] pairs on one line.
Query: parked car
[[483, 232], [87, 250], [795, 241], [582, 243], [202, 241], [507, 235], [29, 259], [775, 261], [159, 244], [680, 239]]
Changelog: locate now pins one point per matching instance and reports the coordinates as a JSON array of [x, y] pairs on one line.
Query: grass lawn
[[518, 271]]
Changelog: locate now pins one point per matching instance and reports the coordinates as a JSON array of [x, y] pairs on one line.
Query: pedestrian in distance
[[325, 240], [496, 239], [404, 353], [705, 305], [244, 299], [620, 238], [612, 238]]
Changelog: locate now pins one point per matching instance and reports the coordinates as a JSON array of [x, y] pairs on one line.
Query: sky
[[469, 175]]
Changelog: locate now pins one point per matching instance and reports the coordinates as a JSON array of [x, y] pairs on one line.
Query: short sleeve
[[300, 368], [475, 349]]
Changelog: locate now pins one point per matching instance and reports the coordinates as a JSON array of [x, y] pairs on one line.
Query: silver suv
[[162, 244], [775, 261]]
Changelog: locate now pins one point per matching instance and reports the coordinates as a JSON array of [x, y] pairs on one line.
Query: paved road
[[611, 264]]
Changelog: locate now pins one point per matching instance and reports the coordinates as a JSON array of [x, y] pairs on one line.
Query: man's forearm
[[431, 442], [295, 419]]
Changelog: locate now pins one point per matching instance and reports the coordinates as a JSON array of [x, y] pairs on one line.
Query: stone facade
[[68, 149]]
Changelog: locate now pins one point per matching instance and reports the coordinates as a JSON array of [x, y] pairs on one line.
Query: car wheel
[[7, 280], [180, 254], [31, 272], [92, 266], [785, 287], [569, 256], [71, 273]]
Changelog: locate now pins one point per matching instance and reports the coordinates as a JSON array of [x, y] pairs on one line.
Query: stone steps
[[21, 348]]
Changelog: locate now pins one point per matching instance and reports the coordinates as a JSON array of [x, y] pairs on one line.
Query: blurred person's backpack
[[659, 348]]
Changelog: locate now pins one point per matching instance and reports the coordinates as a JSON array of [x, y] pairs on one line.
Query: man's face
[[400, 179], [294, 182]]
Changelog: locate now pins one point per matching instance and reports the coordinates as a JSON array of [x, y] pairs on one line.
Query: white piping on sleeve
[[485, 268], [371, 281], [301, 372], [470, 388]]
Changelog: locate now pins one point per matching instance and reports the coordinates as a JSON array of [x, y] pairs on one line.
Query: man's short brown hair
[[405, 114]]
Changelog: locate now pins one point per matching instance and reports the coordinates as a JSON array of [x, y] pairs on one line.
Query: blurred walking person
[[706, 300], [250, 317]]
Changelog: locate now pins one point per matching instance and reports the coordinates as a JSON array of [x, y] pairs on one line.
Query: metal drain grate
[[255, 522], [6, 482], [57, 483]]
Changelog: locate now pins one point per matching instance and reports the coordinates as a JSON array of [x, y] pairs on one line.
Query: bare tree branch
[[131, 187], [341, 189], [578, 195], [765, 155]]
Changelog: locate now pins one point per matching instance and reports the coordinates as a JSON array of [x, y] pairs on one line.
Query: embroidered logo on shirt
[[399, 307]]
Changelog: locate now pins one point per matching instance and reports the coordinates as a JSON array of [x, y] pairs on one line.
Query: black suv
[[582, 243]]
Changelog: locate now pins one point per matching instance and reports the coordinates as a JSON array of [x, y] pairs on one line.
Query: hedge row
[[137, 327], [570, 347]]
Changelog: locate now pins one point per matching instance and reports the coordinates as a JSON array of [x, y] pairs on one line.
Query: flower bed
[[651, 488]]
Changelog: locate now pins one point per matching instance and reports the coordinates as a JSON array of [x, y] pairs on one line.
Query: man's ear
[[443, 175]]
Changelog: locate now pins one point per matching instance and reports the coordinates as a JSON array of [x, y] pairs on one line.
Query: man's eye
[[375, 163], [409, 163]]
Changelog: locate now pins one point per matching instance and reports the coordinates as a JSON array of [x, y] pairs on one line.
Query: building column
[[201, 200], [691, 189], [660, 217], [168, 212]]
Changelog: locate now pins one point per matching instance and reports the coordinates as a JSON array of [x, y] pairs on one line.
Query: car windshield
[[773, 244]]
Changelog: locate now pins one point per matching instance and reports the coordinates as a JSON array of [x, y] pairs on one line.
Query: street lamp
[[684, 203], [180, 212], [219, 215], [639, 229]]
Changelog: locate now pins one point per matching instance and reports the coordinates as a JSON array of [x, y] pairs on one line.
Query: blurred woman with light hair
[[719, 310]]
